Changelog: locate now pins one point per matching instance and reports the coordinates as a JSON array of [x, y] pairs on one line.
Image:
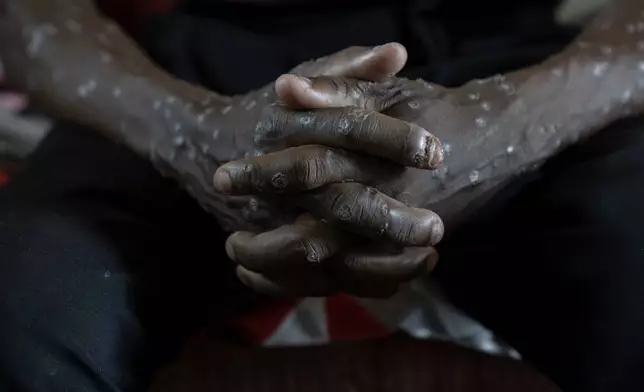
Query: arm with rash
[[77, 64], [500, 127]]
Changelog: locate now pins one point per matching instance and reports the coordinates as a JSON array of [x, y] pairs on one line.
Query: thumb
[[323, 92], [374, 64]]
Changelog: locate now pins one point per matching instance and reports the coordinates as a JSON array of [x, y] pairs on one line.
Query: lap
[[104, 268]]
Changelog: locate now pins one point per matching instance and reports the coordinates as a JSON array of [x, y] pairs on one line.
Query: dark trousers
[[105, 266]]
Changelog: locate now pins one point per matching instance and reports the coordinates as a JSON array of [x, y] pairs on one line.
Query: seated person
[[348, 168]]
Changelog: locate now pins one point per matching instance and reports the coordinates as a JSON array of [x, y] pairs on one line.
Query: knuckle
[[391, 92], [256, 178], [342, 124], [279, 181], [353, 122], [313, 250], [372, 126], [351, 90], [342, 202], [277, 116], [311, 172], [359, 114], [268, 128], [337, 84], [248, 174], [366, 123], [361, 206], [362, 88], [303, 120]]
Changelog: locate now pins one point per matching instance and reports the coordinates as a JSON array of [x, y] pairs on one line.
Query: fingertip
[[388, 60], [429, 227], [285, 84], [437, 231], [297, 92], [396, 54]]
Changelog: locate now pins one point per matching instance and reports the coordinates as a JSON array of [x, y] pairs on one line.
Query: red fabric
[[4, 177], [341, 316], [347, 320], [260, 324]]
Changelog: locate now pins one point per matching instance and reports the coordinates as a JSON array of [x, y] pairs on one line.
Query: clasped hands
[[334, 164]]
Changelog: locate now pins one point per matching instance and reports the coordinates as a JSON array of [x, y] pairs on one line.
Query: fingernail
[[432, 260], [230, 251], [435, 152], [223, 181]]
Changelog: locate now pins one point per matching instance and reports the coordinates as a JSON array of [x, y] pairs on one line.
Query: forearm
[[76, 64], [598, 79], [602, 72]]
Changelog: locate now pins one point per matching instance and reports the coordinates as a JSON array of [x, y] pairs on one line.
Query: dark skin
[[494, 130]]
